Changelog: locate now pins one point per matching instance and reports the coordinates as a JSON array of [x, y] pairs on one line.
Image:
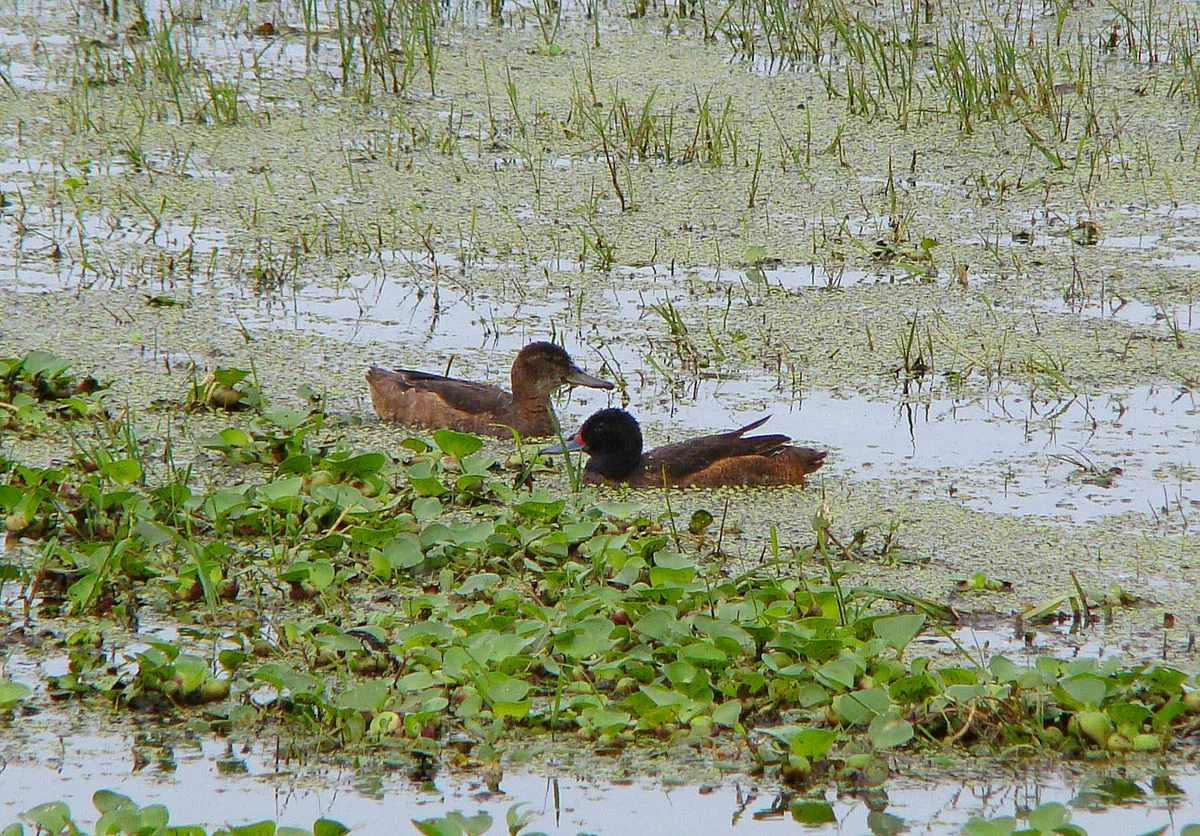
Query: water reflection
[[258, 781]]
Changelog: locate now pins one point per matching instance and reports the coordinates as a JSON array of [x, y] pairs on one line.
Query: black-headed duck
[[613, 440], [431, 400]]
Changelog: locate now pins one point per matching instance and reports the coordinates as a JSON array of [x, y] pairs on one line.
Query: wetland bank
[[954, 243]]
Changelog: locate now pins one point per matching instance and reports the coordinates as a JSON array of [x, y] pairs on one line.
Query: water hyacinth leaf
[[367, 464], [481, 582], [472, 534], [1167, 680], [459, 445], [190, 671], [345, 498], [889, 730], [51, 817], [1049, 817], [1004, 669], [664, 697], [300, 463], [680, 673], [540, 508], [369, 696], [659, 624], [427, 508], [10, 495], [498, 687], [822, 650], [282, 492], [285, 679], [12, 693], [812, 812], [671, 568], [704, 654], [1000, 826], [604, 719], [811, 694], [620, 511], [123, 471], [329, 827], [913, 689], [957, 676], [415, 681], [727, 713], [1132, 714], [455, 824], [424, 482], [842, 671], [516, 710], [898, 630], [812, 743], [230, 377], [587, 638], [260, 828], [44, 363], [861, 707], [403, 552], [1084, 690], [699, 522]]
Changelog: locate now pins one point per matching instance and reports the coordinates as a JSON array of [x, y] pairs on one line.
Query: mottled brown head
[[543, 367]]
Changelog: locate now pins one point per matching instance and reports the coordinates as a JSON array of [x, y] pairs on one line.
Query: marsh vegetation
[[956, 243]]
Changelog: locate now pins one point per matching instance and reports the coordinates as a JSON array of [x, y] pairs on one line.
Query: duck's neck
[[616, 464], [527, 396]]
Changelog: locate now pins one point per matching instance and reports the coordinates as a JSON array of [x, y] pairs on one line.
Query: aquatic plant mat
[[957, 244]]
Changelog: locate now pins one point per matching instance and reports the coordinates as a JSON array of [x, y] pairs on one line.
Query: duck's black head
[[613, 439]]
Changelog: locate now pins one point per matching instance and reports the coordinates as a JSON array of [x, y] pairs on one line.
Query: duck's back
[[728, 458], [429, 400]]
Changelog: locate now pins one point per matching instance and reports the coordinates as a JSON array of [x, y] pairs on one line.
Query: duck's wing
[[685, 459], [459, 395]]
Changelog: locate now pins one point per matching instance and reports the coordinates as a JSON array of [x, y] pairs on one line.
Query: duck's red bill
[[570, 446]]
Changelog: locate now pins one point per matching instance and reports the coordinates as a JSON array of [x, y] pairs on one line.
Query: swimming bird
[[404, 396], [613, 441]]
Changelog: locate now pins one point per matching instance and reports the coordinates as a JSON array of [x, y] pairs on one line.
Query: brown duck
[[613, 440], [431, 400]]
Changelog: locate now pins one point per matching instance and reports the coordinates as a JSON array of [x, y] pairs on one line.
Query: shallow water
[[249, 784]]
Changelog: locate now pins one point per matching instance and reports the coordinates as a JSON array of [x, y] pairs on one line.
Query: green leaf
[[261, 828], [898, 630], [329, 827], [727, 713], [842, 671], [122, 471], [459, 445], [813, 812], [1049, 817], [427, 508], [889, 730], [403, 552], [480, 582], [587, 638], [12, 693], [498, 687], [370, 696], [862, 707], [1086, 690], [812, 743]]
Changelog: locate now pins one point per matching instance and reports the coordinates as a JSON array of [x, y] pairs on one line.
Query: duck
[[613, 441], [429, 400]]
